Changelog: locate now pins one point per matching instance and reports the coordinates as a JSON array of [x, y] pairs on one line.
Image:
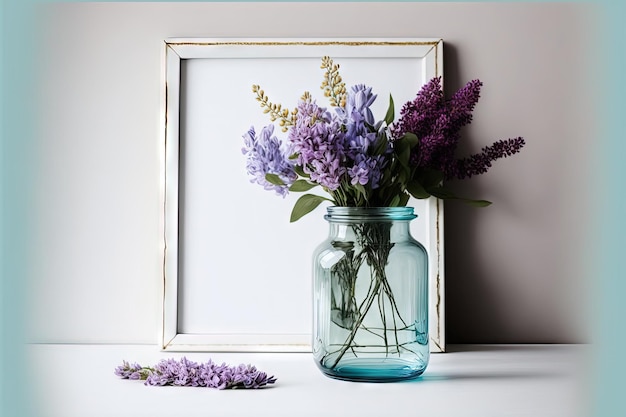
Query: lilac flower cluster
[[479, 163], [362, 134], [332, 149], [437, 123], [266, 156], [131, 371], [319, 142], [187, 373]]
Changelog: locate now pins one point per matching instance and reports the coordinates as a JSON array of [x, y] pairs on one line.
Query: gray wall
[[515, 271]]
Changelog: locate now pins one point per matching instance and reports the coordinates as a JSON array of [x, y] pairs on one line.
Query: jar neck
[[346, 222], [337, 214]]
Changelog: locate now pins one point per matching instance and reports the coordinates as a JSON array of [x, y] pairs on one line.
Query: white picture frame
[[236, 273]]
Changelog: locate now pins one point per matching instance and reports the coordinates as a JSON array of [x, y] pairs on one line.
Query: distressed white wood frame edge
[[177, 49]]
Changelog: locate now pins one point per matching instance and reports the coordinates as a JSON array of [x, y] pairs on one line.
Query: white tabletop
[[468, 380]]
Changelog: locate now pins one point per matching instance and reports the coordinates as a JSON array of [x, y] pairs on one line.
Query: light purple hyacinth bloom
[[187, 373], [356, 116], [361, 135], [367, 170], [318, 140], [266, 155], [357, 109]]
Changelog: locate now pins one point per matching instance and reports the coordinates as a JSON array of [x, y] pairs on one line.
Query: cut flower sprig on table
[[359, 161], [187, 373]]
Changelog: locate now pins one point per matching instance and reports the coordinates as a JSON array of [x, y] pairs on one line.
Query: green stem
[[356, 326], [374, 240]]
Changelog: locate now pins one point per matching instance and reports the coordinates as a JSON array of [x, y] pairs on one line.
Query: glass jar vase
[[370, 296]]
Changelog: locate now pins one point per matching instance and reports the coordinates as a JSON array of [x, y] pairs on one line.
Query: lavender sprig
[[479, 163], [132, 371], [187, 373], [437, 123], [266, 155]]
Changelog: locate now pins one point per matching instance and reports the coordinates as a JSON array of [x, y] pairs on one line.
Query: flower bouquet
[[370, 319], [359, 161]]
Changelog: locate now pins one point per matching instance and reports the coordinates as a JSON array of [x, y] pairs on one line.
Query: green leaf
[[442, 193], [431, 178], [446, 194], [403, 151], [381, 147], [403, 146], [300, 171], [411, 139], [361, 190], [477, 203], [404, 198], [395, 201], [417, 190], [403, 175], [305, 205], [370, 127], [390, 112], [274, 179], [301, 185]]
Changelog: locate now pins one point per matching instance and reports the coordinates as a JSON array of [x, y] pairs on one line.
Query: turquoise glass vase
[[370, 296]]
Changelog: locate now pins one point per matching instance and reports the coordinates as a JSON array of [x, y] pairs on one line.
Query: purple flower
[[187, 373], [360, 161], [428, 118], [157, 379], [479, 163], [247, 376], [216, 376], [418, 116], [462, 103], [164, 373], [367, 170], [357, 109], [361, 137], [128, 371], [265, 155], [437, 123], [318, 140], [358, 120]]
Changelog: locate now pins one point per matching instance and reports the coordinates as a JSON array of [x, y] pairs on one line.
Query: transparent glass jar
[[370, 296]]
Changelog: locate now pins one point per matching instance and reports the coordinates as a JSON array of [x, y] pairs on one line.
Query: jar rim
[[341, 213]]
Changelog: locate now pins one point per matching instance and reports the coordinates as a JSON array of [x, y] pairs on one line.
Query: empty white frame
[[237, 273]]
